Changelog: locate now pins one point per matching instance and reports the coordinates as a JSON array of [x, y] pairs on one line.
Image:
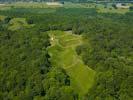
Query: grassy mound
[[2, 18], [18, 23], [63, 54]]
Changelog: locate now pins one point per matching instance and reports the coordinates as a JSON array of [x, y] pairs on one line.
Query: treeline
[[108, 50]]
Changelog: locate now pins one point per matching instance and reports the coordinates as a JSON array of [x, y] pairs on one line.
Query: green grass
[[63, 54], [79, 5], [4, 7], [112, 10], [18, 23], [31, 5], [101, 9], [2, 17]]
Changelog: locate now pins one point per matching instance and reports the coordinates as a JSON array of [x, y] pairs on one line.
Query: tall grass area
[[63, 54]]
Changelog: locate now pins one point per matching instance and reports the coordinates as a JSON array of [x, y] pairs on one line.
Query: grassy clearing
[[2, 17], [18, 23], [101, 8], [112, 10], [4, 7], [31, 5], [79, 5], [63, 54]]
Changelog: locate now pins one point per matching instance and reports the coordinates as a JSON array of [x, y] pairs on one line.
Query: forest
[[29, 72]]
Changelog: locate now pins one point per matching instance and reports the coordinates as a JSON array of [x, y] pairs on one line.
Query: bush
[[131, 8]]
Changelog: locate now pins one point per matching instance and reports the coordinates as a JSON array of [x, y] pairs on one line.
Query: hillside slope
[[63, 54]]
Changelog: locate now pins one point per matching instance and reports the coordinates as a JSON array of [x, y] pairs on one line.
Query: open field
[[79, 5], [101, 8], [32, 5], [26, 5], [18, 23], [112, 10], [2, 17], [63, 54]]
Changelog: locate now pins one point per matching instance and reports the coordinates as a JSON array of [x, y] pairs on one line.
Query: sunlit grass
[[63, 54]]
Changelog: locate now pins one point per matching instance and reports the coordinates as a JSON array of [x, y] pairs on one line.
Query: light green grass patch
[[63, 54], [4, 7], [79, 5], [109, 9], [2, 17], [31, 5], [83, 77], [18, 23], [112, 10]]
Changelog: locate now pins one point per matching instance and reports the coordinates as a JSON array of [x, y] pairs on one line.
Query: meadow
[[63, 54], [2, 17], [18, 23], [102, 8]]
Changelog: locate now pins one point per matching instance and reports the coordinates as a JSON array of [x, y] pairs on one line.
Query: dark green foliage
[[30, 21], [109, 51], [57, 86], [114, 6], [25, 71], [23, 59], [131, 8], [7, 20]]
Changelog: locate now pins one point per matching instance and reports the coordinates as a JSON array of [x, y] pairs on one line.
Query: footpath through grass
[[63, 54]]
